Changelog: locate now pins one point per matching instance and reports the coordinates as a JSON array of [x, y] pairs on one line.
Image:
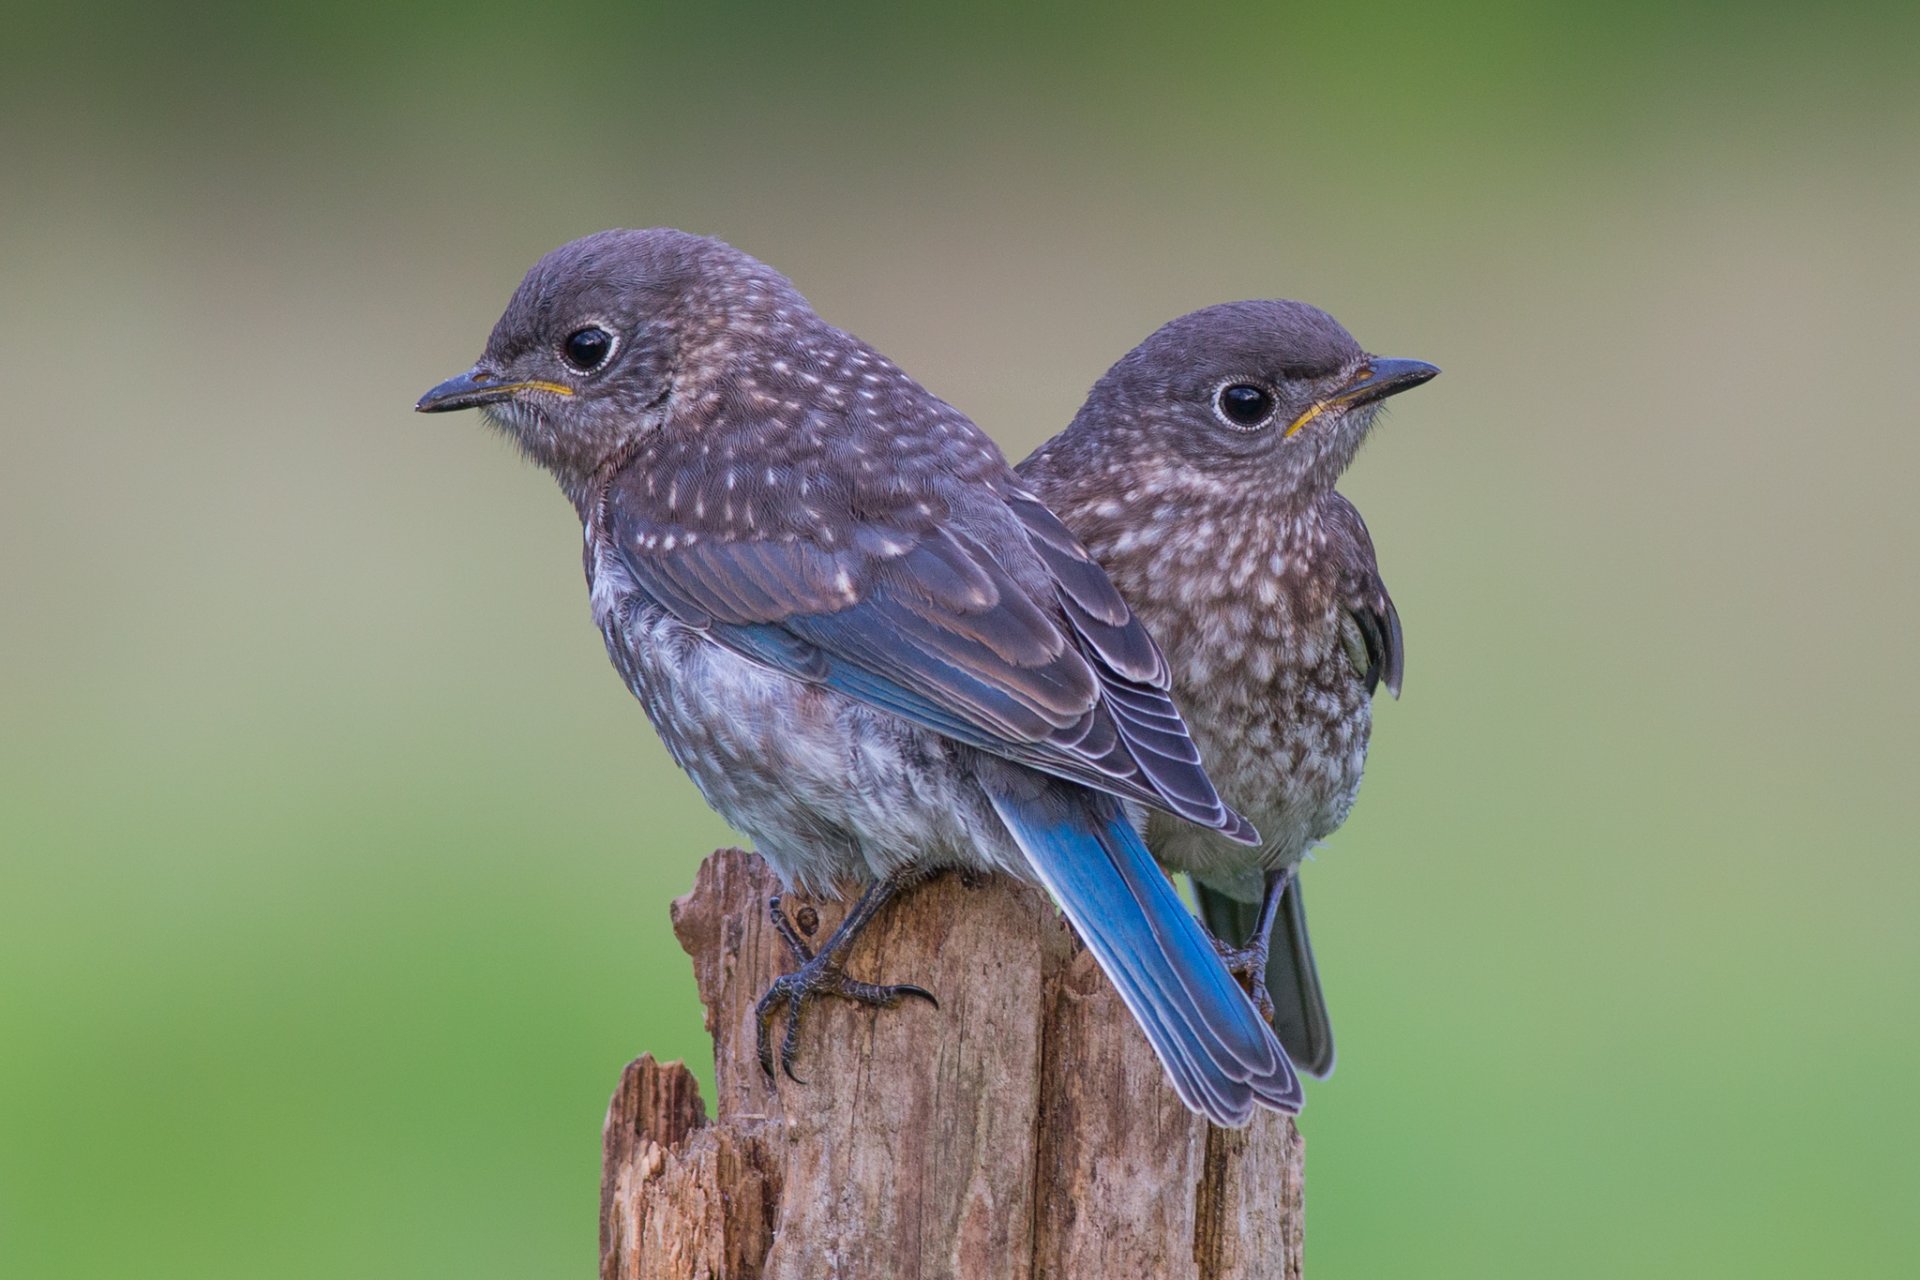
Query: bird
[[871, 647], [1200, 473]]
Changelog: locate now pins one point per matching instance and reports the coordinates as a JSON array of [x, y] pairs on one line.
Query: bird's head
[[602, 337], [1273, 392]]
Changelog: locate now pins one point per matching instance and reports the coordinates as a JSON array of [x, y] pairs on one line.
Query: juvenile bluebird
[[871, 647], [1200, 474]]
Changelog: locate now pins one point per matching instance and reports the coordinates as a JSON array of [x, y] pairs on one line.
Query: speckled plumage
[[1254, 603], [1258, 579], [873, 650]]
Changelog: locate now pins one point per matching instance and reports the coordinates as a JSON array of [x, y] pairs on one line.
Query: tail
[[1293, 981], [1222, 1058]]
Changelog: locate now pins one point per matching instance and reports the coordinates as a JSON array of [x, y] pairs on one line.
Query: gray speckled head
[[603, 329], [1273, 384]]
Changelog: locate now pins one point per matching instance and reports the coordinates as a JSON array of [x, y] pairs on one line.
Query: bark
[[1021, 1131]]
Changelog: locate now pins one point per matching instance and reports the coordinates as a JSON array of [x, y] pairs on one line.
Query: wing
[[991, 626], [1134, 675], [1382, 655]]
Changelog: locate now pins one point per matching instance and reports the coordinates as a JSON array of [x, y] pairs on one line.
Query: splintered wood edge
[[655, 1105], [685, 1196], [680, 1197], [654, 1100], [708, 928]]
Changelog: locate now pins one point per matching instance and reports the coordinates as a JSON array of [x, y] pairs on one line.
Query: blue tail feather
[[1222, 1057]]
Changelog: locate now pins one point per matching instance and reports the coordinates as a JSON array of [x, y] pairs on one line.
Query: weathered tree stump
[[1021, 1131]]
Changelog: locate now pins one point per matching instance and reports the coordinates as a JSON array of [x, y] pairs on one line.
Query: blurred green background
[[334, 862]]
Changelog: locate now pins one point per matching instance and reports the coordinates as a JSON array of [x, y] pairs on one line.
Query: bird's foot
[[821, 974], [1248, 965]]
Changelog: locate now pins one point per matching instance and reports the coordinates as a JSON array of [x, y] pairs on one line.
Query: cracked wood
[[1022, 1131]]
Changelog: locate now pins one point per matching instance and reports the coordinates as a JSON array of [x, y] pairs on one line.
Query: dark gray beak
[[476, 387], [1386, 378]]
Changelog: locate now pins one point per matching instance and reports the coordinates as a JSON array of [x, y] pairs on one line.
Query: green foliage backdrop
[[334, 862]]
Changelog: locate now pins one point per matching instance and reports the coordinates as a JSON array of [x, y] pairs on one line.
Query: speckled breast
[[1262, 672]]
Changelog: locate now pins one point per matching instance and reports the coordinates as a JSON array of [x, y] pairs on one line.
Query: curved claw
[[790, 1042], [808, 983], [909, 989], [820, 973], [763, 1014]]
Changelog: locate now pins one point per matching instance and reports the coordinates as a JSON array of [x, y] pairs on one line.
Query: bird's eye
[[587, 349], [1244, 404]]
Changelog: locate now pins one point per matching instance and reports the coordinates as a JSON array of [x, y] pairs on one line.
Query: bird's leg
[[823, 973], [1248, 963]]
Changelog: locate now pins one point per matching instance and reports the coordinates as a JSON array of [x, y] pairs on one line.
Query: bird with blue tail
[[1200, 474], [871, 647]]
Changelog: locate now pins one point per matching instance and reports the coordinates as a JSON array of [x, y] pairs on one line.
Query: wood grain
[[1021, 1131]]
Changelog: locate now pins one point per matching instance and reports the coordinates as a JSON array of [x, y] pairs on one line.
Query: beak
[[477, 387], [1382, 378], [1386, 378]]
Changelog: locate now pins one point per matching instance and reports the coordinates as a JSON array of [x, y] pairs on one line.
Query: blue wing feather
[[1222, 1057]]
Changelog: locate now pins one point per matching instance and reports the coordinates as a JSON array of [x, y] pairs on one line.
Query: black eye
[[1246, 405], [587, 349]]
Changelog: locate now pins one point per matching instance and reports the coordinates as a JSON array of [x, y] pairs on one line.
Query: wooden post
[[1021, 1131]]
